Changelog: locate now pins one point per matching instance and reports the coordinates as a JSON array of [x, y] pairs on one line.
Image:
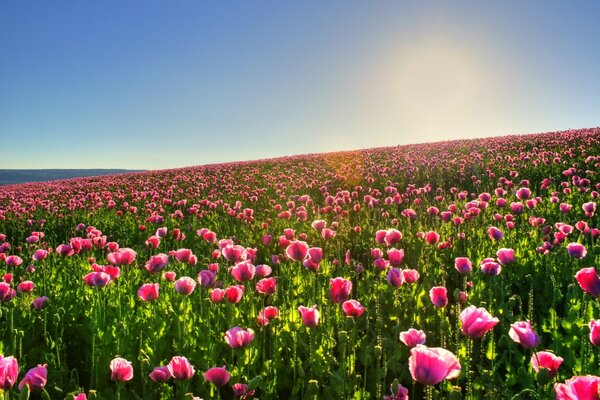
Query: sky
[[157, 84]]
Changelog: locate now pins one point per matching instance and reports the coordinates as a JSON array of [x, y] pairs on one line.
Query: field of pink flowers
[[463, 269]]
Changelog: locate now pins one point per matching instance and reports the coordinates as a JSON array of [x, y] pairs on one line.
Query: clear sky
[[157, 84]]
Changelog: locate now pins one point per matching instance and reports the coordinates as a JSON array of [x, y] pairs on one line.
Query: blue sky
[[156, 84]]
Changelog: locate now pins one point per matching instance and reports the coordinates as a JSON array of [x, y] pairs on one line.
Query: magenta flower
[[218, 376], [181, 368], [476, 322], [9, 372], [185, 285], [157, 263], [463, 265], [523, 333], [310, 316], [237, 337], [207, 278], [121, 370], [589, 281], [40, 302], [6, 292], [410, 275], [148, 291], [35, 378], [97, 279], [431, 365], [160, 374], [432, 237], [578, 388], [352, 308], [505, 256], [576, 250], [439, 296], [339, 289], [297, 250], [546, 360], [216, 295], [595, 332], [495, 233], [413, 337], [395, 277]]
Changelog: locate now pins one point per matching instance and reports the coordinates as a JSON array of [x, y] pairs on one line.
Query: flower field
[[463, 269]]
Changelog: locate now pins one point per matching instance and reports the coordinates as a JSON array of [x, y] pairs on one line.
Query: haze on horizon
[[164, 85]]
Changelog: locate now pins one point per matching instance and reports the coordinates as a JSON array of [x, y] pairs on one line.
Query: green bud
[[255, 382], [377, 350], [543, 376], [24, 393], [395, 386]]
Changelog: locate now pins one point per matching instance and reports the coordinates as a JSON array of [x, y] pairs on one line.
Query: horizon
[[168, 87]]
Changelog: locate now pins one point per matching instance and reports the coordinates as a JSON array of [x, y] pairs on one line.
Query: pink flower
[[589, 281], [490, 267], [216, 295], [522, 333], [233, 294], [297, 250], [431, 365], [148, 291], [97, 279], [35, 378], [263, 270], [6, 292], [9, 372], [237, 337], [412, 337], [339, 289], [160, 374], [157, 263], [310, 316], [184, 256], [206, 278], [576, 250], [476, 322], [169, 275], [392, 236], [40, 302], [578, 388], [439, 296], [80, 396], [463, 265], [395, 277], [495, 233], [267, 286], [25, 286], [243, 271], [218, 376], [124, 256], [234, 253], [65, 250], [318, 225], [595, 332], [546, 360], [121, 370], [353, 308], [506, 256], [13, 261], [40, 255], [395, 257], [315, 254], [241, 390], [185, 285], [180, 368], [432, 237], [410, 275]]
